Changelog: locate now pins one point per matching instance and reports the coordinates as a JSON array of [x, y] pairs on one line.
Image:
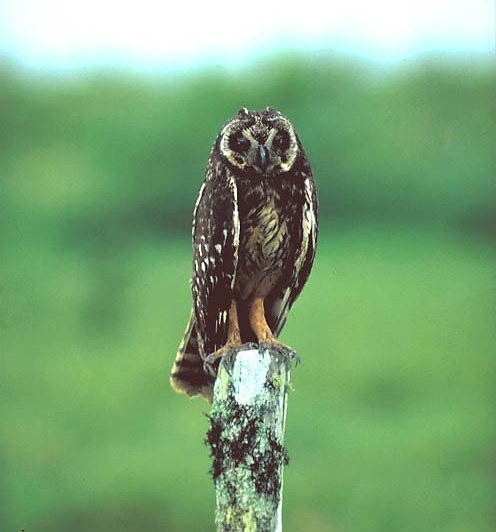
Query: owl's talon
[[280, 349], [208, 366], [249, 346], [209, 362], [296, 358]]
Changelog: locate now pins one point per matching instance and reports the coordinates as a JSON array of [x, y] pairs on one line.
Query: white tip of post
[[250, 374]]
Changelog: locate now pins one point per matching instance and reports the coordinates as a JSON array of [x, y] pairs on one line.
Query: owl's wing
[[215, 254], [295, 276]]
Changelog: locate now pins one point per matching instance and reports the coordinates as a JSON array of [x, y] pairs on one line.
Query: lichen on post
[[246, 439]]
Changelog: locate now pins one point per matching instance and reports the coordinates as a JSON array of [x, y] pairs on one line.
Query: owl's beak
[[262, 159]]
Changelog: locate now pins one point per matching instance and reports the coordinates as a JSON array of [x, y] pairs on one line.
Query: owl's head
[[261, 141]]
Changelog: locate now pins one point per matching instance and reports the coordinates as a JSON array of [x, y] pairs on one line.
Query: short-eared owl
[[254, 237]]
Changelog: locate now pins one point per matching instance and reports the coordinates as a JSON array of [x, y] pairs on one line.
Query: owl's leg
[[256, 315], [262, 331], [233, 334], [233, 342]]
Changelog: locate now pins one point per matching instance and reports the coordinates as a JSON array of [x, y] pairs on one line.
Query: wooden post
[[246, 440]]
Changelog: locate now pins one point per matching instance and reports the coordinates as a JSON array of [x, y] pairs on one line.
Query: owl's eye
[[281, 141], [239, 143]]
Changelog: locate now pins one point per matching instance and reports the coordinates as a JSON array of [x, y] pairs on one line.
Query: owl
[[254, 237]]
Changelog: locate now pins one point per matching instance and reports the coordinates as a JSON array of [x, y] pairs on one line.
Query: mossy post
[[246, 439]]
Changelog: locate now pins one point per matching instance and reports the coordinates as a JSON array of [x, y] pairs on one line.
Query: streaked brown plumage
[[254, 236]]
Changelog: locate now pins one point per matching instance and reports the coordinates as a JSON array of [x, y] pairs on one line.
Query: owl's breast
[[264, 247]]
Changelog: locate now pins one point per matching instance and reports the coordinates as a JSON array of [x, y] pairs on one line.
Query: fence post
[[246, 440]]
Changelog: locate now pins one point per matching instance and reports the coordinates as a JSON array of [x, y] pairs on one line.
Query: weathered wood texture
[[246, 440]]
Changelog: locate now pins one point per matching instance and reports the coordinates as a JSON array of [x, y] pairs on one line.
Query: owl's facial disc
[[266, 146]]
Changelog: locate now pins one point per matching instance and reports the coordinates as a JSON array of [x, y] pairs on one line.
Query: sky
[[62, 34]]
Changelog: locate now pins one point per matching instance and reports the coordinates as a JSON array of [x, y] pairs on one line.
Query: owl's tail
[[188, 375]]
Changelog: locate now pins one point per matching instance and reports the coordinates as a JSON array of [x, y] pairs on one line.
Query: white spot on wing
[[198, 199], [307, 219], [236, 226], [285, 298]]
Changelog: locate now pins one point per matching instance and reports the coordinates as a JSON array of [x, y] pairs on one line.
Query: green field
[[390, 425]]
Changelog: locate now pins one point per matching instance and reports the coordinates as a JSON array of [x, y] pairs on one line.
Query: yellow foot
[[211, 362], [278, 347]]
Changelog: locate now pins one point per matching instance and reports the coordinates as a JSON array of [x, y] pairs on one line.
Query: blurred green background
[[391, 423]]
